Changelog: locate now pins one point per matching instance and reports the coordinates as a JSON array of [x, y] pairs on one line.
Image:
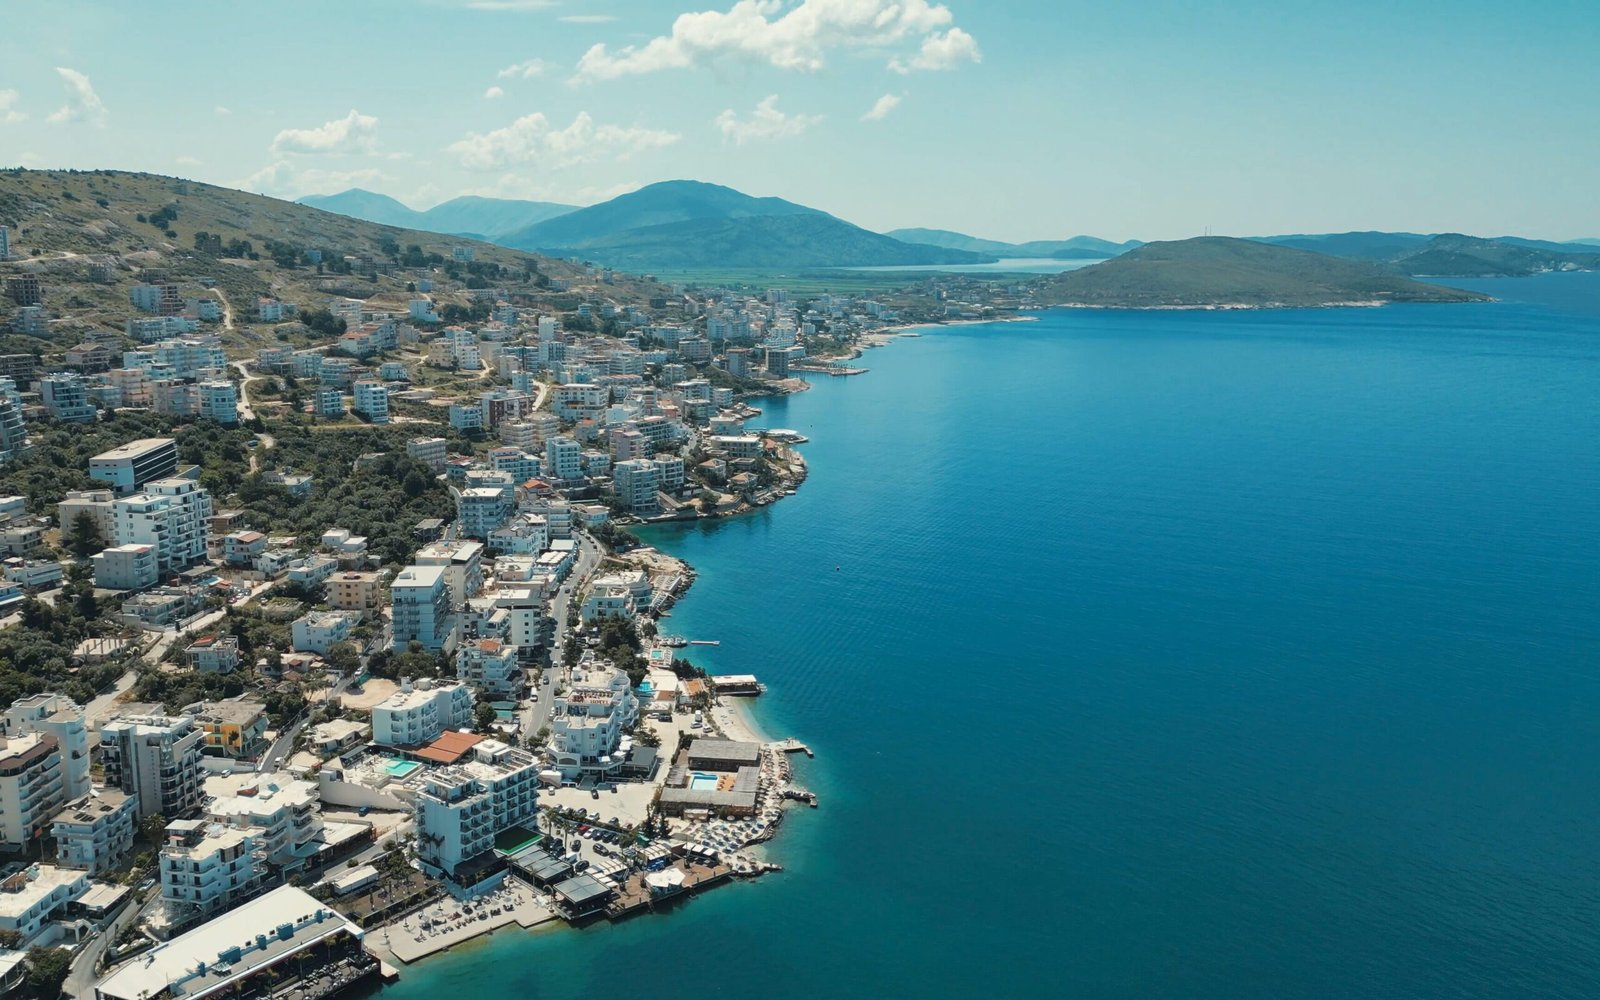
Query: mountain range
[[481, 218], [1220, 271], [1076, 248]]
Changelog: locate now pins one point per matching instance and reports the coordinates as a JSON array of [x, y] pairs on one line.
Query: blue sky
[[1009, 119]]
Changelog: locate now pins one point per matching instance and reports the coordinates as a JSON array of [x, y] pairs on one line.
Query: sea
[[1006, 265], [1161, 654]]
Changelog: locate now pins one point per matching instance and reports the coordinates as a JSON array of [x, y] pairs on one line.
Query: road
[[81, 979], [245, 411], [537, 715]]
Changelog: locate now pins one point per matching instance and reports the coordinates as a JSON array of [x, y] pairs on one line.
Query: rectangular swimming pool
[[702, 782]]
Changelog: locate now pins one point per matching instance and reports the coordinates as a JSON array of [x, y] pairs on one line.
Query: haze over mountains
[[692, 225]]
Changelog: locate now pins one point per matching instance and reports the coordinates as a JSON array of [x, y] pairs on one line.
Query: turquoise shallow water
[[1163, 655]]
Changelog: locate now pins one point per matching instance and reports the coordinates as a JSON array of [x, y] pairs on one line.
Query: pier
[[792, 745]]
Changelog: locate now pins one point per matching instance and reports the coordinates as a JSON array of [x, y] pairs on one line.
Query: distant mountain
[[1218, 271], [470, 215], [1360, 246], [690, 224], [1455, 255], [1076, 248]]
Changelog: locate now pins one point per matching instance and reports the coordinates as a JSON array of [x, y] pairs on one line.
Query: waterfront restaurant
[[581, 896]]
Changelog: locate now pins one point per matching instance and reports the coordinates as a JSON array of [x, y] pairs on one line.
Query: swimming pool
[[701, 782], [400, 768]]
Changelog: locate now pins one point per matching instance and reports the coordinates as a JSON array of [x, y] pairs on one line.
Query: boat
[[674, 641]]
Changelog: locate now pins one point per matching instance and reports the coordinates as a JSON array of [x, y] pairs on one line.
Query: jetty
[[792, 745], [705, 642]]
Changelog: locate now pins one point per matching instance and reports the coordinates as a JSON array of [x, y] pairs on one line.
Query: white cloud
[[526, 70], [354, 133], [587, 19], [881, 107], [9, 115], [796, 39], [531, 139], [941, 51], [765, 123], [494, 93], [285, 180], [83, 104], [222, 112]]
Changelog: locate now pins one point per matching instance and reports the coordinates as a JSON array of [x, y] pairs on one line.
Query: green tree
[[484, 716], [47, 970]]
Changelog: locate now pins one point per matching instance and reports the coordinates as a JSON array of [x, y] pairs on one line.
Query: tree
[[47, 970], [484, 716]]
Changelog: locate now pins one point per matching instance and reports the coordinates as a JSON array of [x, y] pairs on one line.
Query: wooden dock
[[792, 745]]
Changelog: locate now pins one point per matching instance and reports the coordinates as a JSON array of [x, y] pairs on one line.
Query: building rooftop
[[22, 891], [419, 576], [449, 747], [228, 948], [131, 449], [732, 751]]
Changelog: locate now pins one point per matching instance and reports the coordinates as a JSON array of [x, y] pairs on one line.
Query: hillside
[[1076, 248], [1452, 254], [1216, 271], [91, 235], [469, 214], [689, 224], [1374, 246]]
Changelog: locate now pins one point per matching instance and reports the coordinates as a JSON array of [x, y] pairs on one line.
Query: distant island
[[1220, 272]]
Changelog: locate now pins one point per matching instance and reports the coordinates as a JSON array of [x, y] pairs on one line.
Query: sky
[[1005, 119]]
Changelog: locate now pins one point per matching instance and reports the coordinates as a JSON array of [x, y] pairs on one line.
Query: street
[[537, 714]]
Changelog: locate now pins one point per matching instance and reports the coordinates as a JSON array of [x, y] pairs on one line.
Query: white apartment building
[[608, 600], [34, 896], [482, 509], [492, 665], [563, 459], [588, 721], [420, 712], [95, 832], [284, 817], [371, 400], [431, 452], [419, 604], [173, 515], [31, 788], [206, 867], [525, 613], [61, 717], [463, 566], [320, 631], [636, 482], [156, 759], [462, 808], [126, 567], [219, 401]]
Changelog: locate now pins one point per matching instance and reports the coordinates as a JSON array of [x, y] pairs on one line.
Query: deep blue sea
[[1190, 655]]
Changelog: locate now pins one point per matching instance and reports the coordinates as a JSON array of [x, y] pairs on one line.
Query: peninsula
[[1215, 272]]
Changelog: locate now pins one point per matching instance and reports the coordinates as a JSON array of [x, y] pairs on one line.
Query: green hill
[[91, 235], [1217, 271], [1452, 254], [692, 225], [1375, 246], [469, 214]]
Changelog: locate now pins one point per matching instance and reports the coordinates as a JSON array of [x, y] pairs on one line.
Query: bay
[[1162, 655]]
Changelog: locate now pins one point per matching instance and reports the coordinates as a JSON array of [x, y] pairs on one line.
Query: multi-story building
[[482, 509], [371, 400], [589, 719], [130, 466], [213, 654], [235, 728], [492, 665], [164, 299], [32, 897], [462, 808], [431, 452], [31, 788], [126, 567], [525, 616], [13, 429], [328, 402], [66, 398], [420, 712], [463, 566], [608, 599], [320, 631], [174, 515], [636, 482], [669, 473], [58, 716], [419, 602], [206, 867], [156, 759], [219, 401], [361, 592], [95, 832], [284, 817], [563, 459]]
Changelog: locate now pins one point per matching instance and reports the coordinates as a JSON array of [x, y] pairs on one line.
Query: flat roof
[[582, 889], [733, 750], [256, 929], [132, 449]]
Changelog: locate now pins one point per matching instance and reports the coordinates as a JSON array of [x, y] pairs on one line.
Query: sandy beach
[[734, 718]]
